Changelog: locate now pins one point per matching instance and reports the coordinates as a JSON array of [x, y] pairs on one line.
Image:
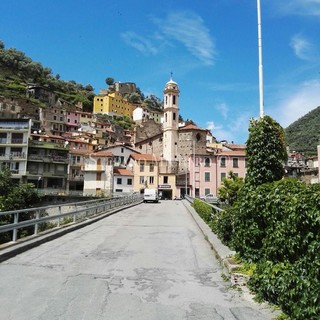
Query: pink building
[[72, 121], [206, 172]]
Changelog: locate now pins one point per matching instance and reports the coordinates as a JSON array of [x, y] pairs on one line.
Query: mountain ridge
[[303, 135]]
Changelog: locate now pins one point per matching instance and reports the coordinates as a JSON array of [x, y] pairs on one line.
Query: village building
[[98, 174]]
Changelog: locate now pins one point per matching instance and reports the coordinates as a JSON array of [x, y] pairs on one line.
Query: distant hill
[[303, 135], [17, 70]]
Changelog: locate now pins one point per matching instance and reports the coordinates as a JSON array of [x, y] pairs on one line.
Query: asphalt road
[[147, 262]]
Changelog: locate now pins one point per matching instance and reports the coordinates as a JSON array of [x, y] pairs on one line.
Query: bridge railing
[[49, 217], [213, 206]]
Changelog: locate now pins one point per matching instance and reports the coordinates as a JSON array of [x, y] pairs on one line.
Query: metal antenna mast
[[260, 60]]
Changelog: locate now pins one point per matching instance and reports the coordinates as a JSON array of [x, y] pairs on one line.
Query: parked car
[[210, 198]]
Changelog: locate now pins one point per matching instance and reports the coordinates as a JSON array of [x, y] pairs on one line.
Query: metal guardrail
[[216, 208], [77, 211]]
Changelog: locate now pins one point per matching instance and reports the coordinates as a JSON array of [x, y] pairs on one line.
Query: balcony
[[48, 145], [75, 177]]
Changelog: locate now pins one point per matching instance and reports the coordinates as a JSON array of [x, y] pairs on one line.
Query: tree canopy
[[266, 151]]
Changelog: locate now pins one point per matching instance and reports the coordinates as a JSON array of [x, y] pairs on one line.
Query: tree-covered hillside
[[304, 134], [17, 70]]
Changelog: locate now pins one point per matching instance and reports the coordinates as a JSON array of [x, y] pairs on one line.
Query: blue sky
[[210, 46]]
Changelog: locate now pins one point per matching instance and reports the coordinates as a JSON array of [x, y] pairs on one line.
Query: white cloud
[[302, 47], [298, 7], [235, 130], [189, 29], [222, 109], [219, 132], [142, 44], [185, 28], [293, 107]]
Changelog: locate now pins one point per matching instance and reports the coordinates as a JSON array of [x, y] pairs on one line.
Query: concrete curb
[[14, 248]]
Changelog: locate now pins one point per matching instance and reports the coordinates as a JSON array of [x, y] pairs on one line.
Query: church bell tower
[[171, 121]]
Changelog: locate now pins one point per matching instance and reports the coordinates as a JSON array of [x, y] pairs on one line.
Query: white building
[[123, 181], [121, 154], [98, 174], [14, 134]]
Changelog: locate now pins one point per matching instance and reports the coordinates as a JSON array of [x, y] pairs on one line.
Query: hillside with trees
[[17, 71], [303, 135]]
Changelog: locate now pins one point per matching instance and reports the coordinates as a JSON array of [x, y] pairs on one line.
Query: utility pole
[[260, 61]]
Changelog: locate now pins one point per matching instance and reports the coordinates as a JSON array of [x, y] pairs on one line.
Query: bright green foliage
[[5, 183], [222, 225], [15, 197], [230, 187], [203, 209], [266, 151], [277, 225], [20, 197]]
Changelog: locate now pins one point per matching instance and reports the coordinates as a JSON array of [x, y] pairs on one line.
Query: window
[[174, 116], [129, 182], [3, 137], [207, 176], [141, 167], [206, 191], [122, 150], [151, 167], [223, 162], [151, 180], [98, 176], [141, 180], [174, 100], [165, 179], [207, 162], [223, 176], [119, 180], [236, 174], [235, 162], [17, 138]]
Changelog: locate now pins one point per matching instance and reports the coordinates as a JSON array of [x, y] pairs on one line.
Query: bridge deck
[[146, 262]]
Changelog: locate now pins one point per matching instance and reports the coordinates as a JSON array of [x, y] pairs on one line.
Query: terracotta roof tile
[[122, 172], [144, 156]]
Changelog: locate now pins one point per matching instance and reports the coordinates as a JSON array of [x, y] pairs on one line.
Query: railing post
[[59, 210], [15, 230], [74, 216], [36, 226]]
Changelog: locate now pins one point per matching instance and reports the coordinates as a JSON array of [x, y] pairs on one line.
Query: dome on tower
[[171, 85]]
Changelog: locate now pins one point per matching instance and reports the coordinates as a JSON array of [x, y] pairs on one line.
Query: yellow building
[[145, 168], [113, 104]]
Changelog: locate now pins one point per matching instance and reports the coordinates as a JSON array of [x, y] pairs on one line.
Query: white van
[[151, 195]]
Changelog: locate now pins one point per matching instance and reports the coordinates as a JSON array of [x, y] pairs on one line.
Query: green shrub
[[277, 225], [204, 210]]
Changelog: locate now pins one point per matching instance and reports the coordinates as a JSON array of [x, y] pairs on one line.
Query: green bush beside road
[[277, 226]]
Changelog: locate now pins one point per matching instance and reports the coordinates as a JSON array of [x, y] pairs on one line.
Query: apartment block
[[14, 134]]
